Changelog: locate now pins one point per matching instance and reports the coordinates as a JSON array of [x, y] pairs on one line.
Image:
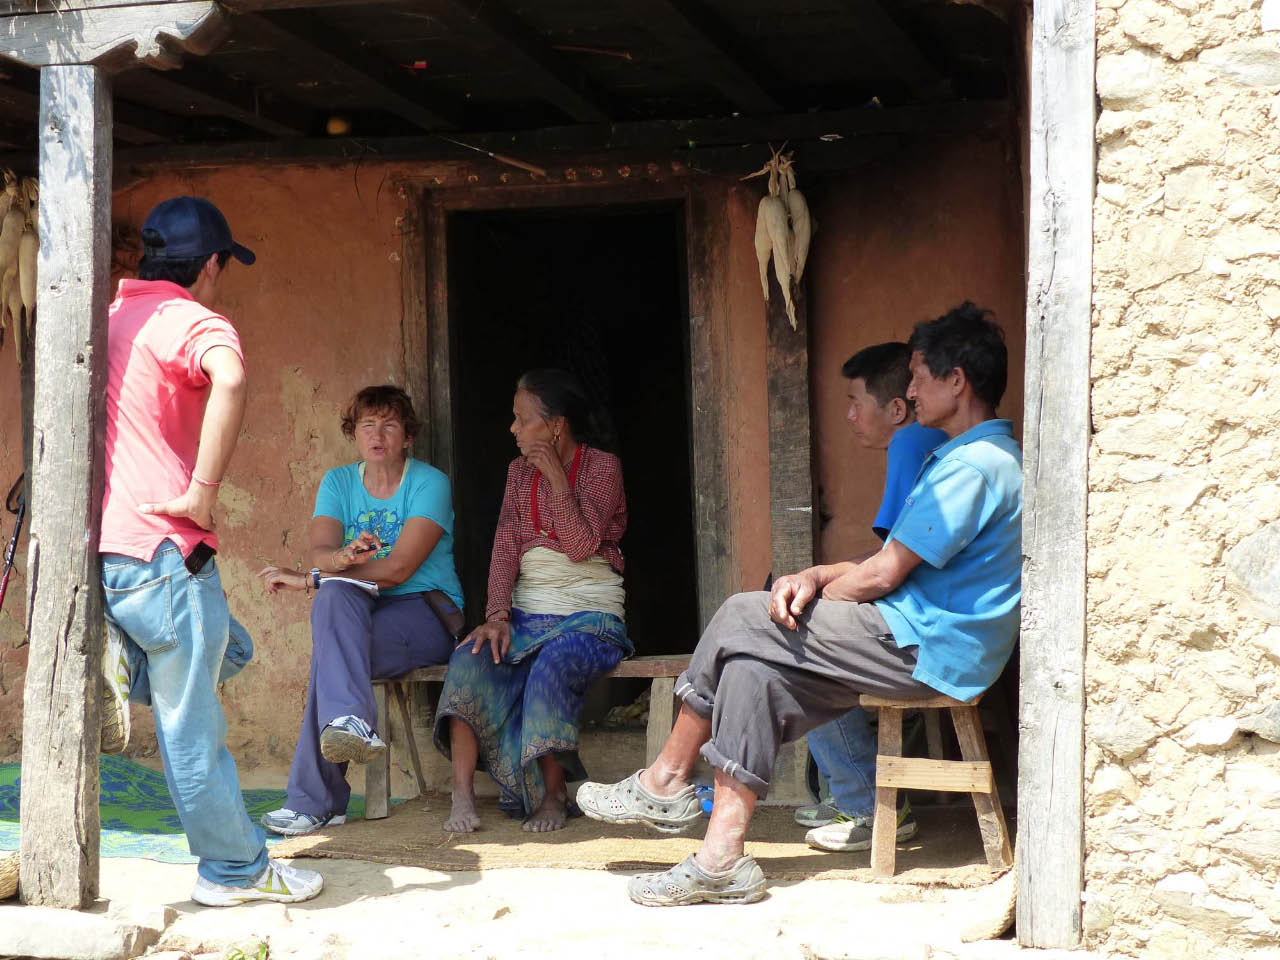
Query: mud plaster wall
[[319, 317], [901, 241], [1182, 824]]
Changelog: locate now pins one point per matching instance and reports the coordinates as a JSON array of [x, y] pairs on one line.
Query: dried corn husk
[[764, 247], [28, 251], [775, 218], [801, 222]]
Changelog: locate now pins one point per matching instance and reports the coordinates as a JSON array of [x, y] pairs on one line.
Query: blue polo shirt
[[963, 518], [907, 449]]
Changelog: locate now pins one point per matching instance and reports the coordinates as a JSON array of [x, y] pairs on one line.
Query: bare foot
[[549, 816], [462, 817]]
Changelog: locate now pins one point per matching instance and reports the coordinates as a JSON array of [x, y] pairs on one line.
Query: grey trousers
[[763, 685]]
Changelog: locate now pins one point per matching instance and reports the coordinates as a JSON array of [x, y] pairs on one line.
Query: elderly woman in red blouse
[[554, 618]]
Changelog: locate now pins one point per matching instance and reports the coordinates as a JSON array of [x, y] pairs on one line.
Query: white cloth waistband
[[550, 582]]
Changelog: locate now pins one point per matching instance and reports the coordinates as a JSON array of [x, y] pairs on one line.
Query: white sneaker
[[349, 738], [290, 823], [278, 882]]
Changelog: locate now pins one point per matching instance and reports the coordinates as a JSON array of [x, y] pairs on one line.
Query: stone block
[[1127, 78], [1265, 723], [1270, 15], [1152, 435], [1250, 63], [1253, 571], [1208, 733], [48, 932], [1259, 847], [1269, 303]]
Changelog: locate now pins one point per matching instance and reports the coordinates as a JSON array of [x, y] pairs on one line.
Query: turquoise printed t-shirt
[[424, 491], [964, 520]]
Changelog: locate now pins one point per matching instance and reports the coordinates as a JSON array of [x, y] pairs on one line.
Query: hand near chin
[[542, 454]]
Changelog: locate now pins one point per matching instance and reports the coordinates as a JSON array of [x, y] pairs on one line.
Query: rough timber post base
[[59, 813]]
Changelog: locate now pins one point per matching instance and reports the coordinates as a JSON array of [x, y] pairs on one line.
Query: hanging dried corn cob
[[28, 253], [773, 233], [15, 219], [801, 223]]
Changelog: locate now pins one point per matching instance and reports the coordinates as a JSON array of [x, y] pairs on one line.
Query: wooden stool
[[971, 775]]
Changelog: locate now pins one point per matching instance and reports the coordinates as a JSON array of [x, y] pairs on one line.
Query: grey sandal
[[688, 883], [628, 802]]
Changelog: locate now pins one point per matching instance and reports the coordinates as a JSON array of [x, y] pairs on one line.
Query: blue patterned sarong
[[529, 705]]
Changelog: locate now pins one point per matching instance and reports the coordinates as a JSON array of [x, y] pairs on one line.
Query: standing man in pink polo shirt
[[175, 400]]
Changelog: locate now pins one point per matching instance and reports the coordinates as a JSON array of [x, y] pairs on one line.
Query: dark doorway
[[599, 292]]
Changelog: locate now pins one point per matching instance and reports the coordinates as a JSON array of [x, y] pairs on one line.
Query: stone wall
[[1182, 767]]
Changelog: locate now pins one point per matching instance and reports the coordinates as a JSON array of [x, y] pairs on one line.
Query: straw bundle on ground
[[8, 875]]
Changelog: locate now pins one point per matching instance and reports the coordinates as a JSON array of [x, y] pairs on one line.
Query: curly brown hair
[[385, 397]]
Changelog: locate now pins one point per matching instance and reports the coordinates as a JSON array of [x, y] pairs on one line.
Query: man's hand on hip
[[196, 504]]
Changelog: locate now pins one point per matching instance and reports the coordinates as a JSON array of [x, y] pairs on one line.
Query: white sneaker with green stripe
[[279, 882], [852, 834]]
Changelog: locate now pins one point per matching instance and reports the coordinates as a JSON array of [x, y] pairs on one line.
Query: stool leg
[[973, 746], [662, 717], [933, 736], [402, 701], [377, 775], [884, 831]]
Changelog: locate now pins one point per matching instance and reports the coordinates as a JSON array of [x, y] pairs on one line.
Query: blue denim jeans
[[176, 628], [845, 752]]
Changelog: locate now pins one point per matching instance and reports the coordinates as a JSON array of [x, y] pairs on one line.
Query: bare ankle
[[661, 780]]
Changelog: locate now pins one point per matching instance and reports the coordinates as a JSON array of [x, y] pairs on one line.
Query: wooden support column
[[60, 726], [791, 494], [1055, 474]]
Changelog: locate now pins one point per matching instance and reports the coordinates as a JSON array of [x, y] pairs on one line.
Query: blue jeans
[[845, 751], [176, 628]]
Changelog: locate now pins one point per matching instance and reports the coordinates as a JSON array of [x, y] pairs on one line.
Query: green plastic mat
[[138, 816]]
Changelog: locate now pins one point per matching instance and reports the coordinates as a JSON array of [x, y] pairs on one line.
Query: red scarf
[[533, 494]]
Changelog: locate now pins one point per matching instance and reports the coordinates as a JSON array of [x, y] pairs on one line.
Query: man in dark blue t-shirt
[[845, 749]]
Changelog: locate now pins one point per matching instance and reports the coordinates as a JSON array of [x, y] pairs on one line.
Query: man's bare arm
[[219, 431], [881, 574]]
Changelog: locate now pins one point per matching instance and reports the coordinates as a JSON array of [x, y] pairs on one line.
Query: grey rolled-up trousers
[[763, 685]]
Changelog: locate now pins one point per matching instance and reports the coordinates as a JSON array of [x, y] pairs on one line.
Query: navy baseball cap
[[191, 227]]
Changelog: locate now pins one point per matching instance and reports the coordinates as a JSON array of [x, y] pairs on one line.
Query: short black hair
[[884, 368], [966, 337], [182, 272]]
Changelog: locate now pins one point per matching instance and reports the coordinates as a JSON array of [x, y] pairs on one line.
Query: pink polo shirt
[[156, 336]]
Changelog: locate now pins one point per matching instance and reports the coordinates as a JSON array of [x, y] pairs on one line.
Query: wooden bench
[[972, 775], [377, 799]]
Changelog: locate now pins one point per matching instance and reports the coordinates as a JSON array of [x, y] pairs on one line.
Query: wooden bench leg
[[662, 717], [884, 831], [973, 746], [402, 701], [377, 775], [933, 736]]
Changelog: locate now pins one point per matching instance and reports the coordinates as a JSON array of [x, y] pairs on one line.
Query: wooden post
[[791, 493], [60, 728], [1055, 480]]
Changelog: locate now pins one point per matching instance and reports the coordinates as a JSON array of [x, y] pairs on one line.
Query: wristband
[[205, 483], [315, 577], [502, 615]]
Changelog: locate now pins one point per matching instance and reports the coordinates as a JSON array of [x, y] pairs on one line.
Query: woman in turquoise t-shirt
[[387, 599]]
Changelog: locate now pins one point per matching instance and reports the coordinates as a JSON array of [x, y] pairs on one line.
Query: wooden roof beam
[[897, 51], [223, 96], [304, 36], [558, 80], [133, 124], [688, 28]]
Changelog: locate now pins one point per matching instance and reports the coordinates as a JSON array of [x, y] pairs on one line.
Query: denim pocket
[[145, 613]]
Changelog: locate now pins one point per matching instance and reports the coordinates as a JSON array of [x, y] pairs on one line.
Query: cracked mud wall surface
[[319, 316], [1182, 794]]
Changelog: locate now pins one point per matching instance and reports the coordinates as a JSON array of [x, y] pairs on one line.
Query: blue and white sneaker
[[350, 738], [290, 823], [115, 692], [279, 882]]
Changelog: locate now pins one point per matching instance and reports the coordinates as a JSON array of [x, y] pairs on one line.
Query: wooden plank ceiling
[[409, 68]]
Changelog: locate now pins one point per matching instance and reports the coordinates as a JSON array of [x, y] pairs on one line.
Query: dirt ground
[[371, 911]]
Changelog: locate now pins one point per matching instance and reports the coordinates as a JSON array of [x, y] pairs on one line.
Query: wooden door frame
[[1061, 167], [429, 351]]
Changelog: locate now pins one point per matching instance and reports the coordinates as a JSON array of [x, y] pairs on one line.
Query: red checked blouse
[[586, 520]]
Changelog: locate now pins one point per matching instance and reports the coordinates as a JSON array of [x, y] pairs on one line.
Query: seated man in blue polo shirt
[[934, 611]]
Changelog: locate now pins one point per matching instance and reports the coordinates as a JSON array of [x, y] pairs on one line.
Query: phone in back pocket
[[198, 557]]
